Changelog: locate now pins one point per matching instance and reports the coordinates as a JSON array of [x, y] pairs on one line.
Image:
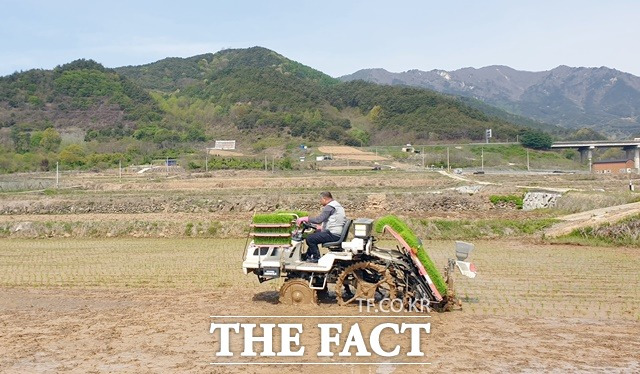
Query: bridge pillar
[[629, 153], [633, 153], [586, 154]]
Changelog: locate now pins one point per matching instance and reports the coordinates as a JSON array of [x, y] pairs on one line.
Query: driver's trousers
[[318, 238]]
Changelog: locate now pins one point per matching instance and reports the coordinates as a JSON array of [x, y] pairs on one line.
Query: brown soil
[[116, 305], [167, 331], [141, 305], [220, 152], [341, 150], [360, 157], [350, 153]]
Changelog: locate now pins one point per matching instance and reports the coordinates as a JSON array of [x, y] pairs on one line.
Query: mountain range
[[604, 99], [248, 94], [263, 99]]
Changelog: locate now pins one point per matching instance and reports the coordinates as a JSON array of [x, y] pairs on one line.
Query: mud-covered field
[[144, 305], [122, 275]]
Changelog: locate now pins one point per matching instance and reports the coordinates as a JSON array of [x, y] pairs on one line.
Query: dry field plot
[[341, 150], [143, 305], [350, 153], [230, 182]]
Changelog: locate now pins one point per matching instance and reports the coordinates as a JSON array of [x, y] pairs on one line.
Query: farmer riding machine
[[359, 268]]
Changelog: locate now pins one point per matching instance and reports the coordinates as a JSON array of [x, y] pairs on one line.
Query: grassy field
[[515, 278]]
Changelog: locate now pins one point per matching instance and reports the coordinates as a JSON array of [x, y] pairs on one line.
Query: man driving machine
[[332, 218]]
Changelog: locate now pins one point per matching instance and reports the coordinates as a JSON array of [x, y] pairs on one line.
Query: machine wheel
[[408, 298], [297, 292], [369, 281]]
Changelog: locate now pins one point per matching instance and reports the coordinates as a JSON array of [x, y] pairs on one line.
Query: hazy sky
[[336, 37]]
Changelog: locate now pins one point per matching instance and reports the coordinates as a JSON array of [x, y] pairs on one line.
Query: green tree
[[374, 113], [50, 140], [21, 140], [73, 155], [536, 139], [335, 133], [362, 136], [286, 164], [36, 137], [195, 133]]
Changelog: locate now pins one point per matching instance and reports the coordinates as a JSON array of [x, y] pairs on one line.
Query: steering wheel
[[307, 225]]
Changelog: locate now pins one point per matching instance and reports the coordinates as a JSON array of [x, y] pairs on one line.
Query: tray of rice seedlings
[[273, 228], [416, 246], [295, 213]]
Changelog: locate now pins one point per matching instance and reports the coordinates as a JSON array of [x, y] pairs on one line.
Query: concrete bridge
[[632, 147]]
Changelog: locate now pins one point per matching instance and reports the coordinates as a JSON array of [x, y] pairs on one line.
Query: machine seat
[[337, 246]]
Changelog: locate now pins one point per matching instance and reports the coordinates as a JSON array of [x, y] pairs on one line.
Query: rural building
[[613, 167]]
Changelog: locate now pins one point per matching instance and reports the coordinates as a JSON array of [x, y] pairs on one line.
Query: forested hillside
[[259, 90], [98, 116]]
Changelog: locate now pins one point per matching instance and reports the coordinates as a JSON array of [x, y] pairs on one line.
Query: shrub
[[213, 228], [188, 230], [507, 199]]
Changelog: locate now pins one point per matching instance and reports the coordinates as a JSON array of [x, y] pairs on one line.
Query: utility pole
[[57, 176], [482, 158], [265, 162], [448, 164], [273, 162], [528, 168]]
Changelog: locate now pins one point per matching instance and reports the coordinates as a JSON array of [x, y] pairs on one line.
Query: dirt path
[[592, 218], [457, 177]]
